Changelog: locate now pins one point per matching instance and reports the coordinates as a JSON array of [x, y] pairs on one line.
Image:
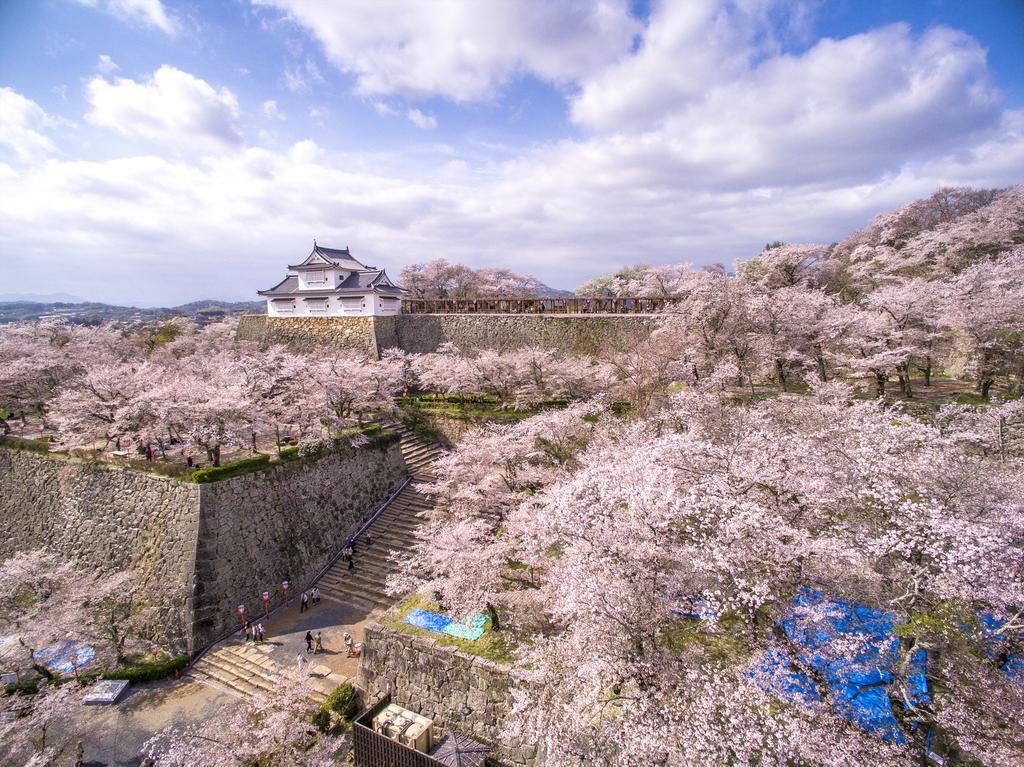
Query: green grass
[[493, 645], [41, 445], [483, 407]]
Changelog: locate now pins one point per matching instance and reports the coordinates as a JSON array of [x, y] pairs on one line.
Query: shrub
[[149, 672], [340, 708], [343, 702], [246, 465]]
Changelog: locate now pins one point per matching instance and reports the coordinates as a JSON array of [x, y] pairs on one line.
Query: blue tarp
[[858, 686], [471, 628], [58, 657], [1013, 666], [425, 619]]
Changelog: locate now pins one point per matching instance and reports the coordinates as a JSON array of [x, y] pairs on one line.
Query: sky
[[153, 153]]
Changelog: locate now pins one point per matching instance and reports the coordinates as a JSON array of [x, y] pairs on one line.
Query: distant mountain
[[87, 313], [209, 303], [554, 293], [41, 298]]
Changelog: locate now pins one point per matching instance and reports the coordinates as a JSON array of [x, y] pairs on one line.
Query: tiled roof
[[340, 258], [288, 285], [357, 282]]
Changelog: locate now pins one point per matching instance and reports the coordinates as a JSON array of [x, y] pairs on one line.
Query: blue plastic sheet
[[65, 657], [425, 619], [858, 687], [471, 628], [1013, 666]]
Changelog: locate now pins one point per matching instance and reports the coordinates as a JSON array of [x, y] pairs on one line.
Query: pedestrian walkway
[[351, 598]]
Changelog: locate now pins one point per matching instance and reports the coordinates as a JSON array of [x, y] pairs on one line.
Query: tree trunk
[[780, 373], [904, 378], [493, 615], [880, 380], [986, 386]]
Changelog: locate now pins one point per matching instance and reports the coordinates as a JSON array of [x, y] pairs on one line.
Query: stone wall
[[285, 523], [458, 691], [107, 519], [570, 334], [350, 333], [200, 550]]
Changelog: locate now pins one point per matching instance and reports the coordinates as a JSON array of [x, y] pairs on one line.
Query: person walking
[[309, 641], [318, 645], [248, 630], [348, 645], [304, 602], [260, 635], [316, 595]]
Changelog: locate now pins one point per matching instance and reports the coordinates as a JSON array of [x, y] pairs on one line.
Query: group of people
[[254, 631], [311, 596], [314, 644]]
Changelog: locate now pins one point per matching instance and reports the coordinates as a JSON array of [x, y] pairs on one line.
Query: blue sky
[[154, 153]]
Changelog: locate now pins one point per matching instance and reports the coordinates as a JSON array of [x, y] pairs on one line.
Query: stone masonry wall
[[570, 334], [283, 524], [351, 333], [107, 519], [200, 549], [458, 691]]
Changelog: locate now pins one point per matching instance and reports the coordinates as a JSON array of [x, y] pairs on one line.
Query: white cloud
[[22, 126], [731, 144], [844, 111], [172, 107], [568, 212], [300, 78], [150, 13], [421, 120], [105, 64], [461, 50], [271, 110]]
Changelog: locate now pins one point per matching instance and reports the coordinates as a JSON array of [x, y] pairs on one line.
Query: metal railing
[[558, 305]]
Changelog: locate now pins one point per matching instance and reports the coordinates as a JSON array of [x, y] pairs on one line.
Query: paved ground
[[114, 735]]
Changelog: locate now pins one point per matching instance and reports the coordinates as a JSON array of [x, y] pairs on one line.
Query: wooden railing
[[558, 305]]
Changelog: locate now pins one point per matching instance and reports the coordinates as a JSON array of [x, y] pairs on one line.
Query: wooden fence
[[558, 305]]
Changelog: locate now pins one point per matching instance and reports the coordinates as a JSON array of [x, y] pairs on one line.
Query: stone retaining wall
[[107, 519], [569, 334], [457, 690], [283, 524], [200, 550]]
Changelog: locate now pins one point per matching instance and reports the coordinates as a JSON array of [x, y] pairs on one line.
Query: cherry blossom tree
[[46, 600], [664, 554], [268, 728]]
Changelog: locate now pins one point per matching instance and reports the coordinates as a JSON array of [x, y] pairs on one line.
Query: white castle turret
[[331, 283]]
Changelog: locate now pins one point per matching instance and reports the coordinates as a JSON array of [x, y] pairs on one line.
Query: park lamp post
[[284, 585], [266, 605]]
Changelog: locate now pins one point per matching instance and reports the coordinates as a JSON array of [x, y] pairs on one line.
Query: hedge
[[233, 469], [148, 672]]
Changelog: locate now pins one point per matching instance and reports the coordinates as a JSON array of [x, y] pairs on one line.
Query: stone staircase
[[244, 669], [393, 531]]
